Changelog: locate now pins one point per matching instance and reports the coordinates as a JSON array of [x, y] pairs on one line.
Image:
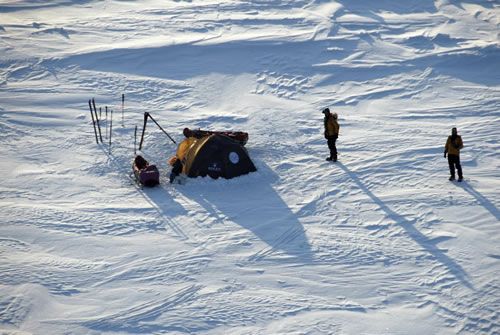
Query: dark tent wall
[[217, 156]]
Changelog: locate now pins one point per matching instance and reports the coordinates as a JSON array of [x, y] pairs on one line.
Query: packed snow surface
[[378, 243]]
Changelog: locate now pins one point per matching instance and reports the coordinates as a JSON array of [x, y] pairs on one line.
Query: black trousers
[[331, 140], [177, 168], [454, 162]]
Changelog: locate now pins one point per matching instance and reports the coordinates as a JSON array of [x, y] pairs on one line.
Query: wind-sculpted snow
[[379, 242]]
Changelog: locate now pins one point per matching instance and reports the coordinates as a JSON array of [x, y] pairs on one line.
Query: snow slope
[[378, 243]]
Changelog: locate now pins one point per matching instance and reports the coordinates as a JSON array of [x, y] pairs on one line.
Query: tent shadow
[[428, 244], [481, 199], [258, 208]]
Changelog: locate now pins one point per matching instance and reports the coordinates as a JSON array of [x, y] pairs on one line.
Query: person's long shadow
[[482, 200], [257, 207], [413, 232]]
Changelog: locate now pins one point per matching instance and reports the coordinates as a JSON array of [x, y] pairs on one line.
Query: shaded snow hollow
[[378, 243]]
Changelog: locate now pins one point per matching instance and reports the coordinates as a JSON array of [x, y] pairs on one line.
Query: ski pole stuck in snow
[[97, 118], [123, 107], [106, 121], [110, 129], [135, 140]]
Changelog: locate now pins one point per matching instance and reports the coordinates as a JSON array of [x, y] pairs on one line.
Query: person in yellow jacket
[[331, 133], [452, 147], [177, 161]]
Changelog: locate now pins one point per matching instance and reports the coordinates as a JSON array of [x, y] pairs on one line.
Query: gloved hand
[[445, 155]]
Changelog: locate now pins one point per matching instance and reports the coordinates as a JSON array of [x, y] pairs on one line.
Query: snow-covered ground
[[377, 243]]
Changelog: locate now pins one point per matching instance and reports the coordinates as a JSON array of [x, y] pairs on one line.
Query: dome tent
[[203, 152], [217, 156]]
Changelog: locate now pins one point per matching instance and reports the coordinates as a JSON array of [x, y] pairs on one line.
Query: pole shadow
[[481, 199], [258, 208], [166, 207], [453, 267], [157, 197]]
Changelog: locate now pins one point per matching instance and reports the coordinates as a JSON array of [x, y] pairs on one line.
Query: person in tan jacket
[[452, 147], [331, 133]]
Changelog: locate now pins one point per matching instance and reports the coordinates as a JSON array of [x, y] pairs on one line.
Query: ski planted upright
[[97, 118], [93, 122]]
